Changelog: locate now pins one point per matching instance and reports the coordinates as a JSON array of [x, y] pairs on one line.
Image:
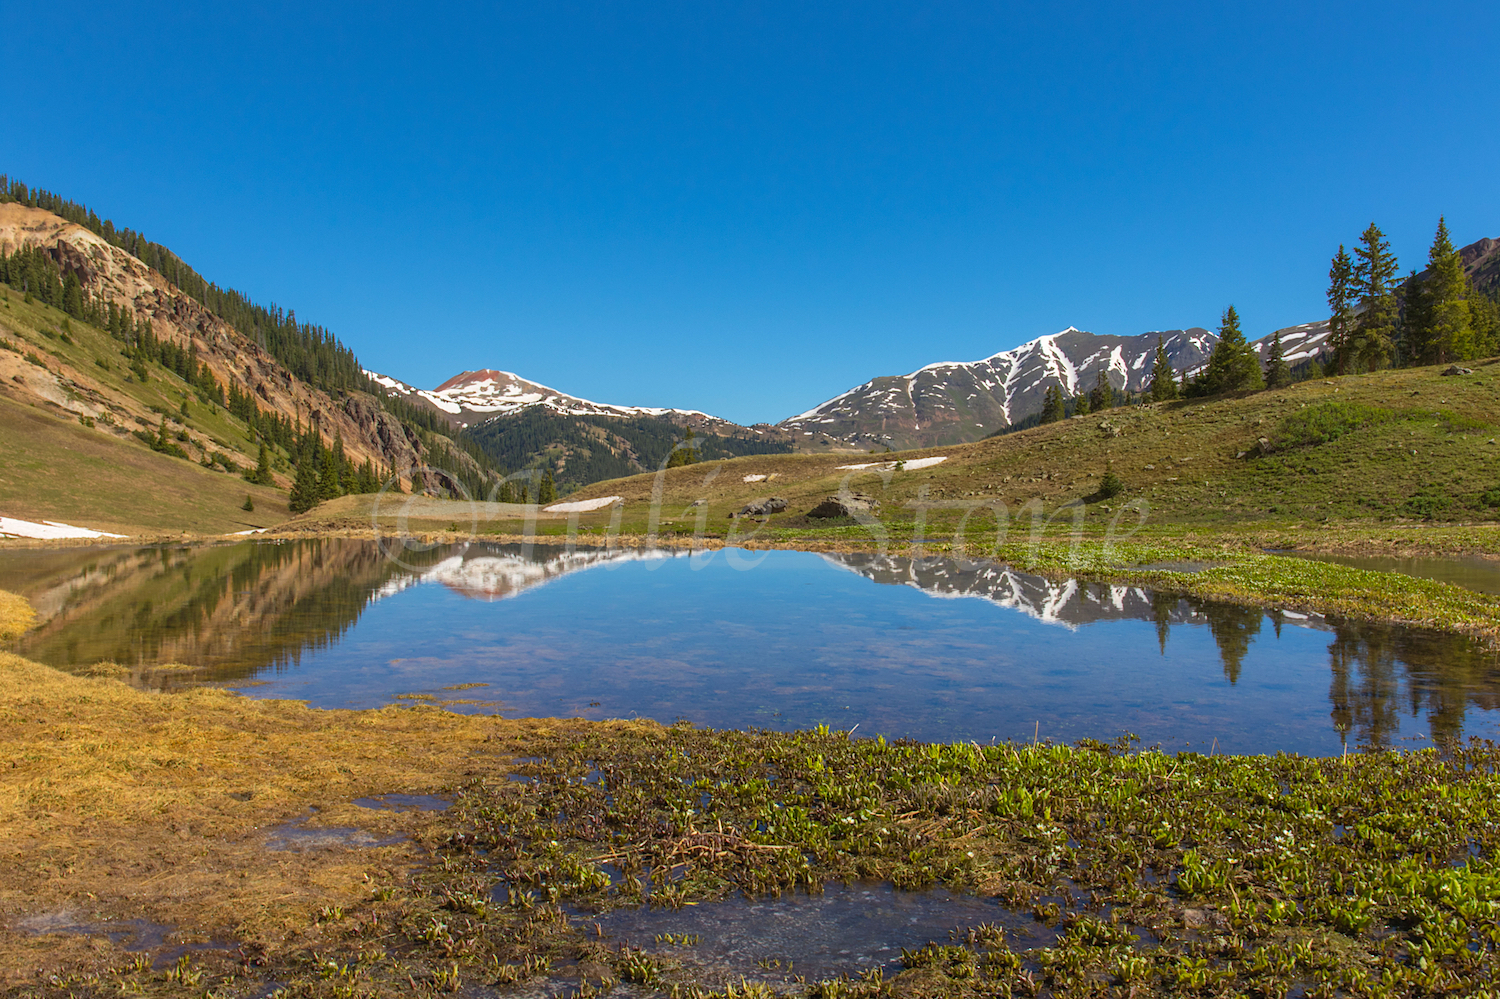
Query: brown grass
[[16, 615], [121, 804]]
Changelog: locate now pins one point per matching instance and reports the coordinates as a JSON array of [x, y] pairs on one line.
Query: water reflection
[[801, 640]]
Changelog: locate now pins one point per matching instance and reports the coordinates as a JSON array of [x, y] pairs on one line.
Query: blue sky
[[748, 208]]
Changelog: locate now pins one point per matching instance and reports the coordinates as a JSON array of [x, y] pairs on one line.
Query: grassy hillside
[[1408, 446], [54, 467]]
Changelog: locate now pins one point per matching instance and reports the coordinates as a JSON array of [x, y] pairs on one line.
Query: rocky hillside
[[96, 384]]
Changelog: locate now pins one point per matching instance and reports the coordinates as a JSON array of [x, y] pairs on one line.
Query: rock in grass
[[846, 505], [764, 507], [1454, 369]]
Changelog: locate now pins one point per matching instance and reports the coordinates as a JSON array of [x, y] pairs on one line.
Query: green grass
[[52, 468]]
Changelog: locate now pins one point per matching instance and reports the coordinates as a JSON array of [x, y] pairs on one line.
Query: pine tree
[[249, 505], [1484, 319], [1163, 379], [1232, 366], [1448, 334], [1375, 326], [305, 493], [1340, 309], [1052, 404], [1082, 405], [1103, 395], [1278, 374], [262, 474], [330, 484], [547, 492]]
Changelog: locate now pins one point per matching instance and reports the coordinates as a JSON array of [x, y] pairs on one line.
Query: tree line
[[1435, 317]]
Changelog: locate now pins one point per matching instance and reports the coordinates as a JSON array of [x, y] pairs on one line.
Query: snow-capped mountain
[[955, 401], [472, 397]]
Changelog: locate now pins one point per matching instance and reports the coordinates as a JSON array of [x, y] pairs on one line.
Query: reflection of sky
[[798, 642]]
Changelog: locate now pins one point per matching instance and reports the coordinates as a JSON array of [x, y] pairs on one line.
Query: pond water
[[1481, 574], [933, 649]]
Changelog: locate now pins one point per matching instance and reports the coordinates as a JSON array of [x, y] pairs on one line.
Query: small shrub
[[1327, 422]]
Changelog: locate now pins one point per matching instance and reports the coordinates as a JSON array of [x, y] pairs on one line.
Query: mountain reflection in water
[[797, 640]]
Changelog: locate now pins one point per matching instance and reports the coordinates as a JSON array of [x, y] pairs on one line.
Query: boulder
[[1454, 369], [846, 505], [764, 507]]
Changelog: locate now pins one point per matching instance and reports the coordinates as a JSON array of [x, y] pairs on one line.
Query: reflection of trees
[[231, 609], [1443, 674], [1234, 628], [1163, 608]]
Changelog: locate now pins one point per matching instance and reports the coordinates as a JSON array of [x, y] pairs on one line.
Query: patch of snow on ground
[[910, 466], [48, 530], [582, 506], [755, 478]]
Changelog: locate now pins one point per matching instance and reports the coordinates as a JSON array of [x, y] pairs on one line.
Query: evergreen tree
[[1103, 394], [1341, 309], [330, 482], [1484, 319], [249, 505], [305, 494], [262, 475], [685, 453], [1163, 379], [1375, 326], [1082, 404], [1278, 374], [1232, 366], [1445, 333], [547, 491], [1052, 404]]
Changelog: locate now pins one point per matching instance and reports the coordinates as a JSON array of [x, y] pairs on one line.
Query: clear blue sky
[[748, 208]]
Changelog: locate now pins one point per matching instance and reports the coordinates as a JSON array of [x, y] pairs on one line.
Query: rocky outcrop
[[763, 507], [844, 505]]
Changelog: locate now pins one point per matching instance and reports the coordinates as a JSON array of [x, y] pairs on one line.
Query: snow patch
[[910, 466], [583, 506], [48, 530]]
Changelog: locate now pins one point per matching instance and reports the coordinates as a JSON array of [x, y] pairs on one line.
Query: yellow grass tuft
[[16, 615]]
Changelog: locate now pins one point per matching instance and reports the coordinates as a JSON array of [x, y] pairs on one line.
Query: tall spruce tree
[[1484, 319], [1375, 326], [262, 474], [1447, 334], [1278, 374], [1232, 365], [1052, 405], [305, 494], [1341, 309], [1102, 396], [1163, 379], [1082, 404]]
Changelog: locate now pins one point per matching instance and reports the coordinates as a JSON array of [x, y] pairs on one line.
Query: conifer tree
[[1278, 374], [1163, 379], [249, 505], [305, 494], [547, 492], [1232, 366], [1052, 404], [1375, 326], [1341, 309], [330, 484], [1103, 394], [1484, 319], [1082, 404], [263, 467], [1446, 333]]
